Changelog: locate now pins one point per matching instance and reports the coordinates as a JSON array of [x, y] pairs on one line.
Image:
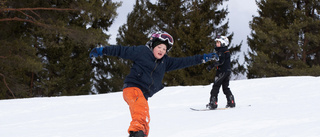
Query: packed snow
[[266, 107]]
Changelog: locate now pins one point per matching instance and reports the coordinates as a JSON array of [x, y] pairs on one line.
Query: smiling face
[[159, 51], [218, 44]]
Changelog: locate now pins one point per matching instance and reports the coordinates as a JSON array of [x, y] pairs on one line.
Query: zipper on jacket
[[152, 73]]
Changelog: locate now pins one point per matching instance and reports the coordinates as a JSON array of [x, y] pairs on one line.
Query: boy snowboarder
[[150, 62], [222, 75]]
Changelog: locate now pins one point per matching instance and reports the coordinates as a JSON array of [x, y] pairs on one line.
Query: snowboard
[[206, 109]]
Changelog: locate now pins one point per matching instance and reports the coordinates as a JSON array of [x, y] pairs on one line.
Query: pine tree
[[138, 27], [18, 59], [285, 39], [68, 68], [111, 71], [194, 25], [46, 48]]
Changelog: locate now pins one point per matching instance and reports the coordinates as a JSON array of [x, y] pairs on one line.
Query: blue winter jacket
[[147, 72]]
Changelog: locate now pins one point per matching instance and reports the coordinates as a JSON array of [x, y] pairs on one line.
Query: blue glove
[[95, 52], [210, 56]]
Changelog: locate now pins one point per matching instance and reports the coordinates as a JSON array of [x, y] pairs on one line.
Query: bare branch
[[4, 81], [35, 14], [23, 20], [31, 9], [27, 15]]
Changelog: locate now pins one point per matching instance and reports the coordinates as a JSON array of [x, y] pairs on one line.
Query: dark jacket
[[223, 65], [147, 72]]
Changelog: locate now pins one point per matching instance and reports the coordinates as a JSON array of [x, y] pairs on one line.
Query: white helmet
[[223, 40]]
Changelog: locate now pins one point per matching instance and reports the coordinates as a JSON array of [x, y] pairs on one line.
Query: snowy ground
[[269, 107]]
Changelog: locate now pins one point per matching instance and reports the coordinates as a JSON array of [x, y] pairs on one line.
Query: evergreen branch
[[313, 51], [2, 4], [33, 20], [50, 27], [31, 83], [4, 81]]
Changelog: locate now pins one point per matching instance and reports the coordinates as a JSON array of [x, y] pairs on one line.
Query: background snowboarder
[[223, 74], [150, 62]]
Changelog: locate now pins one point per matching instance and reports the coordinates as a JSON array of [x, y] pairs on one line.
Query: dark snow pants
[[221, 78]]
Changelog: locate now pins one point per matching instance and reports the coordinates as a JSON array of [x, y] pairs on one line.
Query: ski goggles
[[163, 37], [218, 38]]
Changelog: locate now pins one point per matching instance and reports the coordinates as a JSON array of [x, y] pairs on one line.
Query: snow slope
[[268, 107]]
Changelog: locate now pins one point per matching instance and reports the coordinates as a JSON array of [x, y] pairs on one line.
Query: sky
[[265, 107], [240, 13]]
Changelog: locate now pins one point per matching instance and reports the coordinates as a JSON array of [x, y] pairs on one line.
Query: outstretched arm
[[179, 63], [126, 52]]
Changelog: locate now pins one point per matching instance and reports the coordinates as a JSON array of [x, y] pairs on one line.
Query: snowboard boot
[[213, 103], [137, 134], [230, 102]]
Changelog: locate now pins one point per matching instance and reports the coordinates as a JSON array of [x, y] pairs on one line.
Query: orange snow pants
[[139, 109]]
